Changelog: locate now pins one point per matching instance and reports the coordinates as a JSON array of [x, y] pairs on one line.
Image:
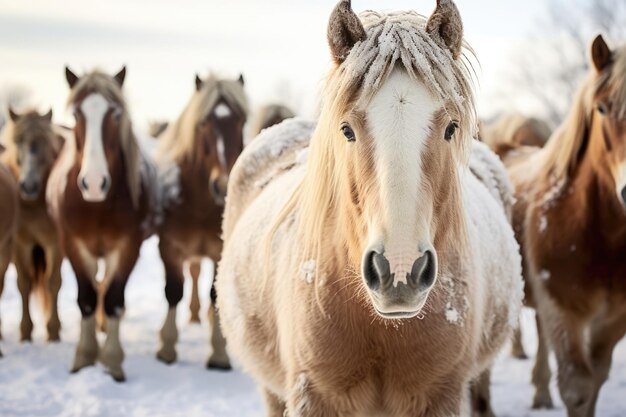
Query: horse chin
[[29, 196], [92, 197], [399, 311]]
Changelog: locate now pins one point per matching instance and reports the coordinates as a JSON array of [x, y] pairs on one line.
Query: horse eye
[[602, 108], [348, 133], [450, 130]]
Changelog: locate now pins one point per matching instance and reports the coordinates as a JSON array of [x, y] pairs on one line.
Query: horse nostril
[[376, 270], [423, 270], [83, 184], [29, 188], [105, 185], [624, 195]]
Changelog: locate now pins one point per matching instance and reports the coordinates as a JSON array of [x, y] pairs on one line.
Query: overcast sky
[[279, 45]]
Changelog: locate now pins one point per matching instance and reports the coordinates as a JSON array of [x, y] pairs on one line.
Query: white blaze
[[222, 111], [94, 167], [399, 117]]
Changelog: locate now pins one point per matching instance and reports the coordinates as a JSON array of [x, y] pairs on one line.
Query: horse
[[269, 115], [513, 131], [103, 196], [9, 209], [570, 220], [194, 156], [372, 272], [33, 145]]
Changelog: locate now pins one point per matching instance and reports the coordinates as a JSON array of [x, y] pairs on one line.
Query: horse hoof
[[216, 366], [54, 338], [166, 356], [118, 376], [543, 403]]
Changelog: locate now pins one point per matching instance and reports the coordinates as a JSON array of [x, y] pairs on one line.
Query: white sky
[[279, 45]]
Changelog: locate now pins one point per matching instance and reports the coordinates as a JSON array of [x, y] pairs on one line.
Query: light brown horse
[[9, 209], [511, 132], [570, 219], [195, 156], [268, 116], [377, 275], [101, 193], [33, 145]]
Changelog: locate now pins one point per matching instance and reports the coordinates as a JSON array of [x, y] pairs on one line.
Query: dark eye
[[602, 108], [34, 148], [348, 133], [449, 133], [117, 115]]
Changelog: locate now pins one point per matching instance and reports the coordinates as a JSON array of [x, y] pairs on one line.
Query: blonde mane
[[323, 199], [177, 142], [563, 150], [101, 83]]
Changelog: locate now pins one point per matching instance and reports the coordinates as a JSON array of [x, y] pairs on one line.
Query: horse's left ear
[[48, 116], [14, 116], [199, 83], [241, 80], [120, 76], [344, 31], [600, 53], [445, 25]]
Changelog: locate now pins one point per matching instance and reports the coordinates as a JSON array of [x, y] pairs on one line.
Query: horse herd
[[370, 263]]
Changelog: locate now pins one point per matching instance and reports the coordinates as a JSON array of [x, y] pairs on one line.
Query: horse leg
[[481, 395], [85, 267], [541, 371], [5, 259], [274, 406], [218, 358], [517, 345], [194, 303], [604, 337], [119, 265], [174, 281], [25, 285], [54, 285], [304, 402], [575, 379]]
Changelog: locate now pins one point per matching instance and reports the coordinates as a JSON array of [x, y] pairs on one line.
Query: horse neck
[[594, 193]]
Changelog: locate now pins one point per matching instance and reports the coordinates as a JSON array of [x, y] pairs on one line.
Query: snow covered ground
[[35, 382]]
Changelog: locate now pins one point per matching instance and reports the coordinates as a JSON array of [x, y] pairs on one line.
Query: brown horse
[[269, 115], [9, 208], [570, 219], [101, 193], [195, 156], [377, 275], [33, 145], [514, 131]]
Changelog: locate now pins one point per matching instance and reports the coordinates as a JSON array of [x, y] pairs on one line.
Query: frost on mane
[[402, 37]]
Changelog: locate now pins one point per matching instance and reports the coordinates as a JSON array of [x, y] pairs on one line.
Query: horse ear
[[199, 83], [14, 116], [344, 31], [445, 25], [120, 76], [600, 53], [241, 80], [71, 78], [48, 116]]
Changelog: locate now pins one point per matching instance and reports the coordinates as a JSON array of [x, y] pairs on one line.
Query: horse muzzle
[[94, 187], [29, 190], [397, 291]]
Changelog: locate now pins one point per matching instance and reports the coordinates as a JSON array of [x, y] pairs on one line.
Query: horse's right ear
[[14, 116], [445, 25], [344, 31], [600, 53], [199, 83], [71, 78]]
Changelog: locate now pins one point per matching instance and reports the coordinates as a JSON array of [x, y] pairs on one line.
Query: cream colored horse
[[375, 275]]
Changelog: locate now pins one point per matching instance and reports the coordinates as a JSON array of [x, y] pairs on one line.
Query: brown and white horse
[[570, 219], [101, 194], [195, 156], [268, 116], [511, 133], [377, 275], [33, 145], [9, 209]]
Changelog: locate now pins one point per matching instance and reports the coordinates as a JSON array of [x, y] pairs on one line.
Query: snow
[[308, 271], [35, 382]]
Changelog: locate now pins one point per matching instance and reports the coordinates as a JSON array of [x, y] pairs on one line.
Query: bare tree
[[548, 71]]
